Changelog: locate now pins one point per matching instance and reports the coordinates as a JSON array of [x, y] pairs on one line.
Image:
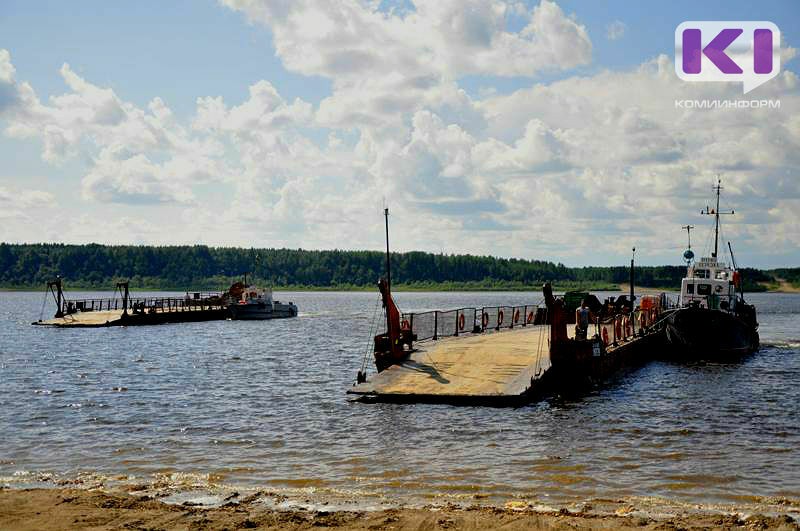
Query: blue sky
[[469, 143]]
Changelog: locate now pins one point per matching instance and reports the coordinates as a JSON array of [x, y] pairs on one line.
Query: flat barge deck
[[494, 367], [95, 319]]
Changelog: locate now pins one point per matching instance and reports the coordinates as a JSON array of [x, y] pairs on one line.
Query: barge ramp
[[496, 367]]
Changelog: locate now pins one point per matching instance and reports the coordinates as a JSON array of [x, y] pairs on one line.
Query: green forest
[[30, 266]]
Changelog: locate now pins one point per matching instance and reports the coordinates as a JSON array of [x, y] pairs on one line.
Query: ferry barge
[[501, 355], [238, 302]]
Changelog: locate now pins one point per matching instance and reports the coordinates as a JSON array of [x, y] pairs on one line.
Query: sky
[[534, 129]]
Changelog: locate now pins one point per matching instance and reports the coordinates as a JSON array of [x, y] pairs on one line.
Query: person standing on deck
[[582, 317]]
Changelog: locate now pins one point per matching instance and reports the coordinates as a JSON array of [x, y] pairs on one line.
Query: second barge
[[132, 311]]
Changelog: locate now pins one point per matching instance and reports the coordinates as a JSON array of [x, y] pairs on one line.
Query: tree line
[[203, 267]]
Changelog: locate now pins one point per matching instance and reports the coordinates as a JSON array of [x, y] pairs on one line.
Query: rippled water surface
[[263, 405]]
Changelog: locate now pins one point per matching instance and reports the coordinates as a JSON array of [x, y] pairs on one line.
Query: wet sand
[[62, 509]]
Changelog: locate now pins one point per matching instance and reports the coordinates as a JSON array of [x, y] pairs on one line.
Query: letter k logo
[[715, 51]]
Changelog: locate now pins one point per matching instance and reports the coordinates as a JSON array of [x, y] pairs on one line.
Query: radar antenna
[[688, 255]]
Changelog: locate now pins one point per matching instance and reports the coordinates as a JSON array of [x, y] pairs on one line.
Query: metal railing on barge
[[434, 324], [612, 329], [190, 302]]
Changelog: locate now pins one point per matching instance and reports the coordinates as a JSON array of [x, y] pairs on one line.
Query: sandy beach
[[61, 509]]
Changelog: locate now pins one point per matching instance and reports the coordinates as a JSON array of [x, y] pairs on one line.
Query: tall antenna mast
[[715, 212], [689, 234], [388, 261]]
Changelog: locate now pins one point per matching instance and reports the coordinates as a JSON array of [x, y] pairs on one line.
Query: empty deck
[[93, 319], [483, 367]]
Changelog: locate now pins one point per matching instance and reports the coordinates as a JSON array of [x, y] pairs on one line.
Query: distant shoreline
[[401, 288], [782, 287], [199, 267]]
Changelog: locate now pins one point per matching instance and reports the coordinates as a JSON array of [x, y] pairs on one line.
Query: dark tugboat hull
[[704, 334]]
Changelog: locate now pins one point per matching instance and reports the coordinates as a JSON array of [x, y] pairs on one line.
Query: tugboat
[[712, 321], [252, 303]]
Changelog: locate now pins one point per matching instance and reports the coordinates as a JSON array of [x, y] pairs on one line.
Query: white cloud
[[12, 202], [138, 156], [24, 213], [385, 66], [120, 177], [616, 30], [264, 110], [350, 39]]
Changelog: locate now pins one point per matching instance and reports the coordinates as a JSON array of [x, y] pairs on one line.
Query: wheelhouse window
[[690, 289], [704, 289], [701, 273]]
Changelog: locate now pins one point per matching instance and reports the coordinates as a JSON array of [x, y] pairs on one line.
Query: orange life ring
[[500, 317], [605, 335], [461, 321], [405, 325], [516, 316], [530, 317], [485, 319]]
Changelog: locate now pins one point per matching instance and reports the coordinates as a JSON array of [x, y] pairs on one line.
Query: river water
[[197, 410]]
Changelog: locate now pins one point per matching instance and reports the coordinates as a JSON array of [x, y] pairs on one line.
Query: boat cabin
[[254, 295], [709, 284]]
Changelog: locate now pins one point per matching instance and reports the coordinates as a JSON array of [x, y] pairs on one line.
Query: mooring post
[[435, 324]]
